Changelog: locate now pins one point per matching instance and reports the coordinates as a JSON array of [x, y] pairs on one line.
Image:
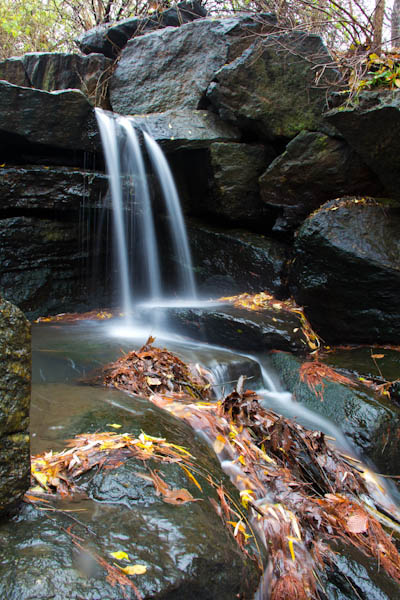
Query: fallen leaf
[[120, 555], [377, 355], [153, 381], [357, 523], [115, 425], [179, 497], [134, 569]]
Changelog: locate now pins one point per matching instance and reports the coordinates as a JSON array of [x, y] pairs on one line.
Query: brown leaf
[[357, 522], [179, 497]]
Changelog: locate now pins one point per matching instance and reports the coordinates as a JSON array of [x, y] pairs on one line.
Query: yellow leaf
[[219, 444], [40, 478], [397, 83], [120, 555], [189, 474], [115, 425], [3, 165], [134, 569], [290, 540]]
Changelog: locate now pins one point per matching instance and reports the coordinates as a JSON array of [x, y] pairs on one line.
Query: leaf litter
[[297, 493]]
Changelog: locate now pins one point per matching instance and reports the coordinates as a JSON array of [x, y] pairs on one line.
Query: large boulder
[[109, 39], [270, 88], [187, 549], [241, 329], [15, 374], [60, 71], [346, 270], [234, 173], [61, 119], [172, 68], [370, 127], [228, 261], [370, 421], [313, 169]]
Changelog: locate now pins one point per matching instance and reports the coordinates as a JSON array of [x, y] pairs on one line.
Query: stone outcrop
[[52, 71], [40, 189], [270, 88], [15, 374], [370, 127], [172, 68], [369, 420], [229, 261], [234, 195], [186, 129], [241, 329], [346, 270], [60, 119], [313, 169], [109, 39]]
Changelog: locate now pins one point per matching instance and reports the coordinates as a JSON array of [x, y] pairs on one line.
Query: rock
[[62, 119], [368, 420], [45, 266], [235, 194], [241, 329], [109, 39], [187, 549], [370, 129], [42, 188], [270, 89], [60, 71], [186, 129], [229, 261], [346, 271], [172, 68], [15, 374], [313, 169], [354, 576]]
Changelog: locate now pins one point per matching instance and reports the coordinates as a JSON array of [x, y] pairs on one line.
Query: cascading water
[[140, 271]]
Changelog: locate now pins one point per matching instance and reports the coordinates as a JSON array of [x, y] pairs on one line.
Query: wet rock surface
[[269, 89], [346, 271], [228, 261], [369, 420], [187, 550], [15, 375], [62, 119], [51, 71], [370, 129], [313, 169], [241, 329], [186, 129], [41, 188], [172, 68], [235, 194], [110, 39], [44, 267]]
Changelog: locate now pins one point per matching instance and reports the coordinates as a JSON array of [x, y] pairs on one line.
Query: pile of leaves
[[152, 369], [314, 372], [57, 472], [265, 301], [297, 493]]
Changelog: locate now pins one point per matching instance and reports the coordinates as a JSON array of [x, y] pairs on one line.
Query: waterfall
[[139, 266]]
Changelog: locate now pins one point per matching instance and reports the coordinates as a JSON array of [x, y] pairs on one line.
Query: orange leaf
[[179, 497]]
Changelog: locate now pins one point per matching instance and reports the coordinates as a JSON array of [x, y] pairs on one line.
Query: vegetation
[[346, 25]]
